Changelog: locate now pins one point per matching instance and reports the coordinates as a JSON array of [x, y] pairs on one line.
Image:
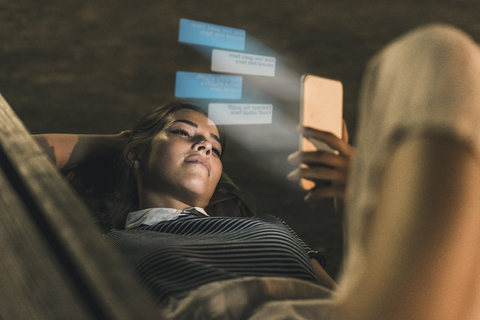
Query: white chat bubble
[[244, 63], [240, 113]]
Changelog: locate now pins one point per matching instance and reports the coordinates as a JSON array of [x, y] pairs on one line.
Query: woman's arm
[[337, 170], [66, 150], [322, 276]]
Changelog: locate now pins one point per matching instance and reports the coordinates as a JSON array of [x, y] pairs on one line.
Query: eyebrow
[[193, 124]]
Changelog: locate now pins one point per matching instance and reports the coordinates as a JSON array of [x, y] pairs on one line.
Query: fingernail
[[291, 157], [307, 197], [293, 175]]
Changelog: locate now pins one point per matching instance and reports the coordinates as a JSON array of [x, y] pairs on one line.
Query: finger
[[126, 134], [316, 194], [322, 173], [294, 175], [329, 138], [344, 131], [295, 158], [318, 173], [319, 158]]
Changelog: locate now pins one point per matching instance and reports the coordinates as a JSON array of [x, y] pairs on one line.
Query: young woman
[[172, 166]]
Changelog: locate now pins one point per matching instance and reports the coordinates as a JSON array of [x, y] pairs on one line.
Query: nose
[[203, 145]]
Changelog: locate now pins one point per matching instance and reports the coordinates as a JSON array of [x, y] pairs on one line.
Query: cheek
[[157, 160], [218, 169], [164, 155]]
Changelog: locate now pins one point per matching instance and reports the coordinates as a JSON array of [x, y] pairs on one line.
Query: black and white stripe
[[174, 257]]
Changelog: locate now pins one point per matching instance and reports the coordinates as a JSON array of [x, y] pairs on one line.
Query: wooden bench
[[55, 264]]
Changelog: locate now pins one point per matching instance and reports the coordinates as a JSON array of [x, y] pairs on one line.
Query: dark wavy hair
[[125, 198], [108, 186]]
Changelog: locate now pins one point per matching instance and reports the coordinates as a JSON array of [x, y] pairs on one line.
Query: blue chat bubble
[[207, 86], [211, 35]]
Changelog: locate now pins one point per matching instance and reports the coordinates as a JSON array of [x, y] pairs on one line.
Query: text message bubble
[[236, 62], [240, 113], [207, 86], [211, 35]]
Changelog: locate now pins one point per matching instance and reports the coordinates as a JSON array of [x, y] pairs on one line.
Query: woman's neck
[[156, 200]]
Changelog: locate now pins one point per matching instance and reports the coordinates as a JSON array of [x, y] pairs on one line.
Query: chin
[[198, 193]]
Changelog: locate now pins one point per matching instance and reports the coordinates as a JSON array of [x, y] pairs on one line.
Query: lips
[[198, 160]]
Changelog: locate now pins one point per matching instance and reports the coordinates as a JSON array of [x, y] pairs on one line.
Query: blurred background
[[96, 66]]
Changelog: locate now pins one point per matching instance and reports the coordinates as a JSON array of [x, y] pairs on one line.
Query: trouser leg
[[426, 81]]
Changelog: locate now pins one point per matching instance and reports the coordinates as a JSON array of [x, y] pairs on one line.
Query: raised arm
[[66, 150], [324, 165]]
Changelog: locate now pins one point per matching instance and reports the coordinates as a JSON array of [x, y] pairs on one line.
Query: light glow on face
[[184, 162]]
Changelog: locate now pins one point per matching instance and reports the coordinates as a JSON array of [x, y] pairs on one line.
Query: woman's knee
[[437, 43]]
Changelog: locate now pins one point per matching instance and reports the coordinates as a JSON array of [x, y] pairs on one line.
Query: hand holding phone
[[321, 108]]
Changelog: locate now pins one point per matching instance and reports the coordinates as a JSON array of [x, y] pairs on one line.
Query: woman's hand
[[324, 165], [123, 137], [66, 150]]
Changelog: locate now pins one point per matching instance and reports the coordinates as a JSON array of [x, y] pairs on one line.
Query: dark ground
[[90, 66]]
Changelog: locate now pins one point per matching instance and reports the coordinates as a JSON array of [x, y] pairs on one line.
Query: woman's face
[[184, 161]]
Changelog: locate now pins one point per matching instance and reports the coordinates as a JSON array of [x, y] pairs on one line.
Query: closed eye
[[181, 132], [185, 133], [216, 151]]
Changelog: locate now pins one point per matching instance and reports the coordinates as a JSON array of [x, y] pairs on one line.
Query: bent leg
[[413, 211], [421, 251]]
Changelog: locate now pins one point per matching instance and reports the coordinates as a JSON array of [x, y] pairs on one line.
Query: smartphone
[[321, 107]]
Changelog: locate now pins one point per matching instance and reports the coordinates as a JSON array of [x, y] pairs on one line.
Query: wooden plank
[[65, 236], [33, 285]]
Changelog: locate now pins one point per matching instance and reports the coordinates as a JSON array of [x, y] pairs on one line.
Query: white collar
[[153, 216]]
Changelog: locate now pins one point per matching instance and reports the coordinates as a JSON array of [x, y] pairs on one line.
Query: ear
[[131, 157]]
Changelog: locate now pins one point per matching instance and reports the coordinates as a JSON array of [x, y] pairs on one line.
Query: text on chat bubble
[[212, 35], [240, 113], [207, 86], [244, 63]]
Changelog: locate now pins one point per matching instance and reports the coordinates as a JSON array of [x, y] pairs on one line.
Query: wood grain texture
[[55, 262]]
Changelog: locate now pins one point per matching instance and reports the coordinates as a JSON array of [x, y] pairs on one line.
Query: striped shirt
[[175, 256]]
